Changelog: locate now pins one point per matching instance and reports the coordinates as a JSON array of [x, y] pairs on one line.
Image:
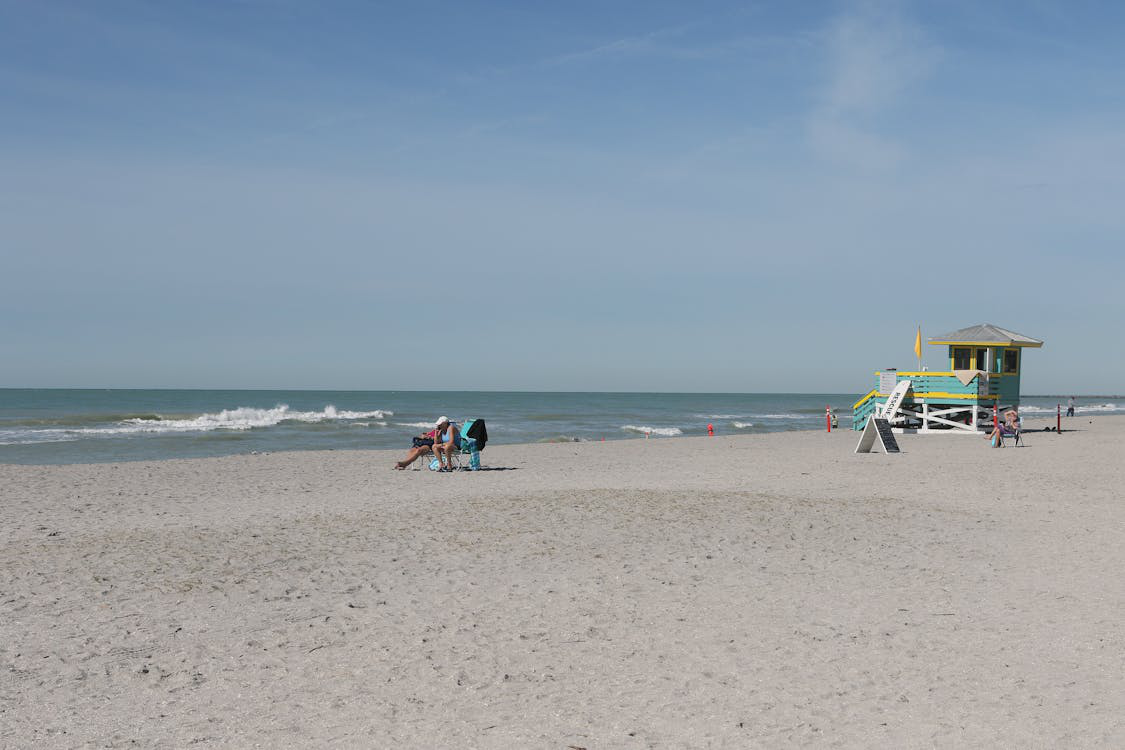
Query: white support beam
[[933, 416]]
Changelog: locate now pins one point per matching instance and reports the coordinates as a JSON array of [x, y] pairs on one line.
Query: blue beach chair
[[474, 436]]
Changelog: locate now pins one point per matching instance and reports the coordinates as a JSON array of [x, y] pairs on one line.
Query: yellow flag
[[918, 344]]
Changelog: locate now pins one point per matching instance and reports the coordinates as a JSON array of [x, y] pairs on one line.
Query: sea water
[[52, 426]]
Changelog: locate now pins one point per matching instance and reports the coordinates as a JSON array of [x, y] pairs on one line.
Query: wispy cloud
[[649, 43], [874, 57]]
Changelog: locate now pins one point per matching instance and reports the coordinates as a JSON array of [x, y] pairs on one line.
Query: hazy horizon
[[511, 390]]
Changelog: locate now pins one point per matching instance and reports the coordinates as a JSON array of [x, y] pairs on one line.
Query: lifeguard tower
[[984, 372]]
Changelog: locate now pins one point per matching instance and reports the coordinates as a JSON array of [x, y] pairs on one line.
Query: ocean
[[62, 426]]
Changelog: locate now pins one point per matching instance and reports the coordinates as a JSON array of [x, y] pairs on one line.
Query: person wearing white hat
[[442, 440], [447, 440]]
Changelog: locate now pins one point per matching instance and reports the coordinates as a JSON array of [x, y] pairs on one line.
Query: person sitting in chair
[[1010, 427], [446, 442], [423, 444], [443, 441]]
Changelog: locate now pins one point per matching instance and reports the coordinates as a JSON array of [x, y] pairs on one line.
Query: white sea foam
[[1078, 408], [1085, 408], [429, 425], [30, 437], [663, 431], [742, 425], [242, 418]]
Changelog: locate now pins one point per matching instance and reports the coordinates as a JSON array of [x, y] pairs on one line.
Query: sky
[[637, 196]]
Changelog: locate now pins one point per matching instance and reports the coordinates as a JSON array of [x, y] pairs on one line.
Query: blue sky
[[556, 196]]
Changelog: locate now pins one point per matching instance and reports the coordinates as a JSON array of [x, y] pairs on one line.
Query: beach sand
[[758, 591]]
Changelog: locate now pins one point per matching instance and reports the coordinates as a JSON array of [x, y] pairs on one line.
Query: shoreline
[[1033, 425], [70, 427]]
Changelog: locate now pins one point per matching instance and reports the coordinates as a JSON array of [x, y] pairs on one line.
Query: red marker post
[[1058, 419], [996, 416], [710, 429], [828, 418]]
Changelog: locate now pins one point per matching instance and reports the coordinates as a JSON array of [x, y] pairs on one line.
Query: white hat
[[441, 421]]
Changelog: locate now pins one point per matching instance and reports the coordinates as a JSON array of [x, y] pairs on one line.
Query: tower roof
[[986, 334]]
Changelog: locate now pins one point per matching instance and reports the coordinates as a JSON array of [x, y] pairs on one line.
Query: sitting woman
[[1009, 427], [423, 444], [446, 443]]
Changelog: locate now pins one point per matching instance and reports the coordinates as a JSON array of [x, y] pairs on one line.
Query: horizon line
[[498, 390]]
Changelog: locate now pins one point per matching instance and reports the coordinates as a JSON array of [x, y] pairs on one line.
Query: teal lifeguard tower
[[984, 373]]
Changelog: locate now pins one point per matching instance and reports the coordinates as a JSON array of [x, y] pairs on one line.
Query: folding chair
[[1016, 435], [474, 435]]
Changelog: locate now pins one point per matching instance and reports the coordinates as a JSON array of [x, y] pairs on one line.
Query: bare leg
[[444, 458], [412, 456]]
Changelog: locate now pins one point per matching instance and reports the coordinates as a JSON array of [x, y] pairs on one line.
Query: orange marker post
[[828, 417]]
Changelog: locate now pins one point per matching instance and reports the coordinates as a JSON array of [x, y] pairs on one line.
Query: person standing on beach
[[1070, 407]]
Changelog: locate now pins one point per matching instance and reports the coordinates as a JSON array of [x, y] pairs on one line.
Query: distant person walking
[[1070, 407]]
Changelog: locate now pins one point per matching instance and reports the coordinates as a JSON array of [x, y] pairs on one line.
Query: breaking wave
[[662, 431], [1078, 408], [30, 437], [242, 418]]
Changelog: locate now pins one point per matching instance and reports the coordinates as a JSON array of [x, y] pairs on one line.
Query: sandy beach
[[758, 591]]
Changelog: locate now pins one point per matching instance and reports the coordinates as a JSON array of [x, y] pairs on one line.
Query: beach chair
[[1016, 434], [424, 462], [430, 460], [474, 436]]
